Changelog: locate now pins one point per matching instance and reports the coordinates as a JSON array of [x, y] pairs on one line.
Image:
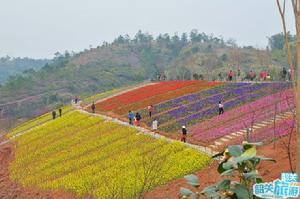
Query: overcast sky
[[39, 28]]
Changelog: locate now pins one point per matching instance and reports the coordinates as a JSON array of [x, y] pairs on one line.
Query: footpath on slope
[[5, 141], [202, 149]]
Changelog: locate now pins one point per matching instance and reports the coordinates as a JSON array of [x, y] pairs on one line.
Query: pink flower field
[[242, 117]]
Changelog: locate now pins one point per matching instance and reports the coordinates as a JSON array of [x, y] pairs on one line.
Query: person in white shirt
[[221, 108], [289, 74], [154, 125]]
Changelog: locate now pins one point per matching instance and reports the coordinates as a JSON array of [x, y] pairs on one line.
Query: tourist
[[221, 108], [252, 75], [154, 125], [93, 107], [82, 105], [220, 77], [230, 75], [289, 74], [150, 110], [53, 115], [138, 119], [284, 72], [261, 75], [130, 117], [266, 75], [184, 132], [60, 112], [76, 99]]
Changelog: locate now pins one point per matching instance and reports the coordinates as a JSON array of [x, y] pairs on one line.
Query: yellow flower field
[[36, 121], [87, 155]]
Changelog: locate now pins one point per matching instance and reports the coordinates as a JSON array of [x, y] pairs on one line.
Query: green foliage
[[13, 66], [239, 161], [277, 41]]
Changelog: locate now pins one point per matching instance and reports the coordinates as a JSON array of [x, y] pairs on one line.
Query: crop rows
[[87, 155], [36, 121], [197, 108], [242, 116], [159, 92], [266, 134]]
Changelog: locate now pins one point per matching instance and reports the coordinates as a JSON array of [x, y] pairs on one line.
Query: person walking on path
[[289, 74], [60, 112], [76, 99], [138, 119], [284, 72], [230, 75], [53, 115], [154, 125], [221, 108], [252, 75], [184, 133], [239, 75], [150, 110], [130, 117], [261, 75], [93, 107]]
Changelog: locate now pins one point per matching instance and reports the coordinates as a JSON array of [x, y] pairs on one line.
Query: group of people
[[263, 75], [134, 118], [54, 113]]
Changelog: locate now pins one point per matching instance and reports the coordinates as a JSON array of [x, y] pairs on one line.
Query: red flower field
[[151, 94]]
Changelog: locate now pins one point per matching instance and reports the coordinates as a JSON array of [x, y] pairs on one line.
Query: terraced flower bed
[[37, 121], [151, 94], [243, 116], [267, 134], [87, 155], [195, 108]]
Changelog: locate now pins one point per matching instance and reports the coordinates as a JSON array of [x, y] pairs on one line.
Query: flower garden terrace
[[87, 155], [195, 105]]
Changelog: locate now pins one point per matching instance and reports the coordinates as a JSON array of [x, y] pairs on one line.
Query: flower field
[[266, 134], [151, 94], [243, 116], [87, 155], [194, 108], [36, 121]]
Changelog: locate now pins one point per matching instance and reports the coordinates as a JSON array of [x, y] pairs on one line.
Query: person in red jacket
[[261, 75], [230, 75]]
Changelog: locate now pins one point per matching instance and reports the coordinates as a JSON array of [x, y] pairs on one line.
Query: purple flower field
[[192, 109]]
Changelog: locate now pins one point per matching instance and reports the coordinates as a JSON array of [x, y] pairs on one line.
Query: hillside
[[128, 61], [101, 155]]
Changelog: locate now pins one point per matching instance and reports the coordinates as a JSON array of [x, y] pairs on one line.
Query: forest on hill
[[12, 66], [127, 61]]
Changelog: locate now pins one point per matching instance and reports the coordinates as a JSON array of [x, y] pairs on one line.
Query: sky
[[39, 28]]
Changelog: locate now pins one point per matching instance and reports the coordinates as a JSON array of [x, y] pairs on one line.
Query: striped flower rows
[[243, 116], [88, 156], [200, 109]]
